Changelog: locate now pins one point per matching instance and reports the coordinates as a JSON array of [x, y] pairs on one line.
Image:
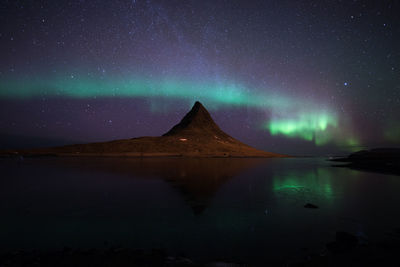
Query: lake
[[249, 210]]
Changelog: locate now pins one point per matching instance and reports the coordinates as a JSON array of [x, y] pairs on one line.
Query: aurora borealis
[[299, 78]]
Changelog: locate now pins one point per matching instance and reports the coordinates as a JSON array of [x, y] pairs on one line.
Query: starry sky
[[295, 77]]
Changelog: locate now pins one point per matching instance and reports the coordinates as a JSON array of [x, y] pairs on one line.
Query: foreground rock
[[118, 257], [310, 206], [385, 160], [350, 250], [343, 243], [197, 135]]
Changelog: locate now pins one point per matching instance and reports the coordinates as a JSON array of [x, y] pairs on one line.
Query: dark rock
[[397, 231], [310, 206], [346, 238], [382, 160], [344, 242]]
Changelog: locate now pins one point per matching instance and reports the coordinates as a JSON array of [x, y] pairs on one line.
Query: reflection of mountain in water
[[199, 180], [196, 179]]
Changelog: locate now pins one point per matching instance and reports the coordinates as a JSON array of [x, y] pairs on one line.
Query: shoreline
[[346, 250], [133, 155]]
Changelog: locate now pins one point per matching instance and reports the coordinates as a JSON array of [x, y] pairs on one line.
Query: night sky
[[295, 77]]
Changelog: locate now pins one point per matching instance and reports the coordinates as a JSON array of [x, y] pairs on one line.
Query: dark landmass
[[14, 141], [197, 135], [384, 160]]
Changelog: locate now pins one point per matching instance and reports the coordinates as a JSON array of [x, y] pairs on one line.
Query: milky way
[[301, 78]]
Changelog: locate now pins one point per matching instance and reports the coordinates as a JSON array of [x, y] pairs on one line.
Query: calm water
[[206, 209]]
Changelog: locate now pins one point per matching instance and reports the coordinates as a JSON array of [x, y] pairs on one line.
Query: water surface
[[239, 209]]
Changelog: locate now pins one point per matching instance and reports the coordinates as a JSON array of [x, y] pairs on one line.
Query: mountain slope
[[196, 135], [197, 122]]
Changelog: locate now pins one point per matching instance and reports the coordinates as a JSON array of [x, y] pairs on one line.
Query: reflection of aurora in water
[[299, 184]]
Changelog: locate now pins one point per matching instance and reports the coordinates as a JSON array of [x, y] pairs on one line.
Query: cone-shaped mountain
[[196, 122], [196, 135]]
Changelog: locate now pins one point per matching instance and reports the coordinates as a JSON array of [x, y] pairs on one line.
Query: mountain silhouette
[[196, 135], [197, 122]]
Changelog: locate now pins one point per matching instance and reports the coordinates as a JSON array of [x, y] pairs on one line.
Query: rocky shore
[[345, 250]]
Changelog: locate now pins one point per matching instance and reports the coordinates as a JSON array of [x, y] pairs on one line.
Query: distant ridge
[[384, 160], [196, 135]]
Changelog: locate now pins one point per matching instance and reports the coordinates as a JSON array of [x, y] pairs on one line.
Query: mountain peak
[[198, 106], [197, 121], [197, 103], [196, 135]]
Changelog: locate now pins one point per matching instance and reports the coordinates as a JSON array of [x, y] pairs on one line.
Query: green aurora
[[307, 126], [287, 116], [217, 93]]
